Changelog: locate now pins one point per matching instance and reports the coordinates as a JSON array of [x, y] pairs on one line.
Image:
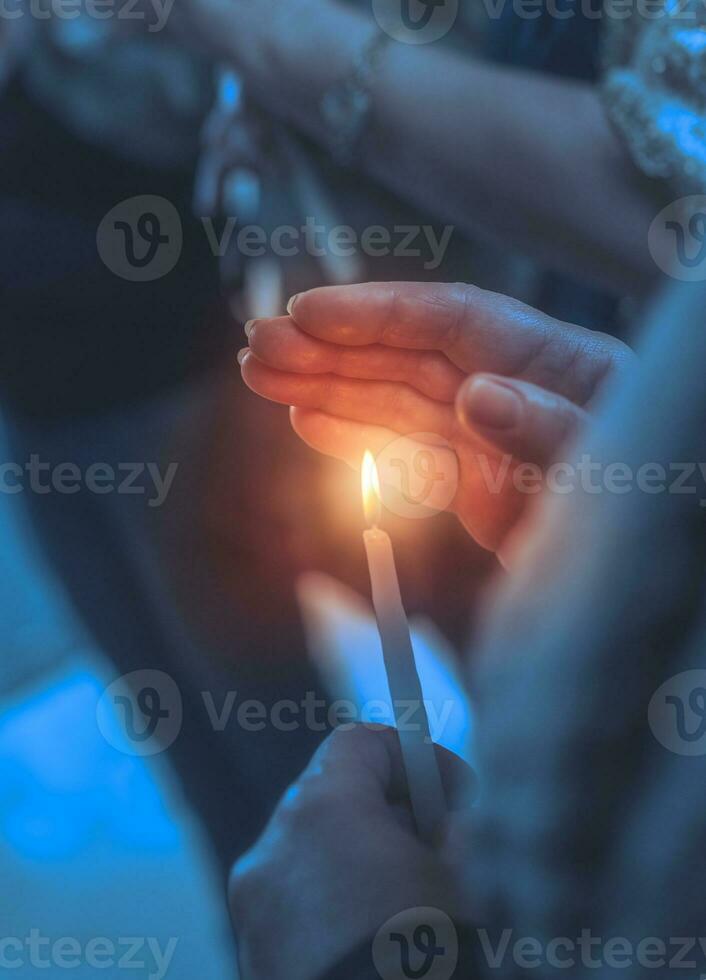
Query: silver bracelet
[[347, 106]]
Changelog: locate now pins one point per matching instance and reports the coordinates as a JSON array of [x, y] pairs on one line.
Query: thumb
[[517, 417]]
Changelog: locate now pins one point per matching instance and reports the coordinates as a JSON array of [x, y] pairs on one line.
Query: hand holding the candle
[[364, 364], [339, 858]]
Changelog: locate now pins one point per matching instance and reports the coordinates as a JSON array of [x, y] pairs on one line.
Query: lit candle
[[423, 777]]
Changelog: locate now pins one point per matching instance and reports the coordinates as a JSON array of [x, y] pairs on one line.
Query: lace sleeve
[[654, 89]]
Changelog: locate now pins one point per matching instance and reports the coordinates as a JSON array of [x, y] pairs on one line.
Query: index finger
[[477, 330]]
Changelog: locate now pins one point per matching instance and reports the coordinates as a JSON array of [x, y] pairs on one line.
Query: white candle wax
[[423, 777]]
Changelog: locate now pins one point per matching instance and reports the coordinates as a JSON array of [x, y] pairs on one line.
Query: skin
[[610, 593], [352, 792], [364, 364], [528, 159]]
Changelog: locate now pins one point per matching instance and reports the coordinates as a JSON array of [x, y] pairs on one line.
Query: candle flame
[[372, 497]]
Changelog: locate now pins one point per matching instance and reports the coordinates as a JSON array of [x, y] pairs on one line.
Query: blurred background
[[154, 517]]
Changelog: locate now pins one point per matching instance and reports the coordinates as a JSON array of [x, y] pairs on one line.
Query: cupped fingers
[[476, 330], [340, 438], [280, 344], [418, 476], [391, 405], [483, 495]]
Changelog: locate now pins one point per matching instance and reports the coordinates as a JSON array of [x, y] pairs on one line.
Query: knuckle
[[303, 804], [432, 376], [341, 738], [452, 306], [329, 393], [390, 310], [397, 401]]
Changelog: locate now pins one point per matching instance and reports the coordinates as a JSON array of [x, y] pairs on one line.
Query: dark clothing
[[359, 964], [75, 337]]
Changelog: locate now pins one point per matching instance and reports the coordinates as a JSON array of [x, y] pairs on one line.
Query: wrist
[[291, 62]]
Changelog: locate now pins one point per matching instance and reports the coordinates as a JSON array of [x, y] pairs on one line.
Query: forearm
[[523, 157]]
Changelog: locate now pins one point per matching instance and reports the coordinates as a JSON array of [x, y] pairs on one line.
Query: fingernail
[[242, 354], [290, 304], [248, 327], [492, 405]]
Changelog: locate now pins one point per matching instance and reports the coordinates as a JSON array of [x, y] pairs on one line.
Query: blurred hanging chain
[[260, 172]]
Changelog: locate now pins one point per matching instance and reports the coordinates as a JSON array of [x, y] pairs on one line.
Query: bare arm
[[523, 157], [528, 158]]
